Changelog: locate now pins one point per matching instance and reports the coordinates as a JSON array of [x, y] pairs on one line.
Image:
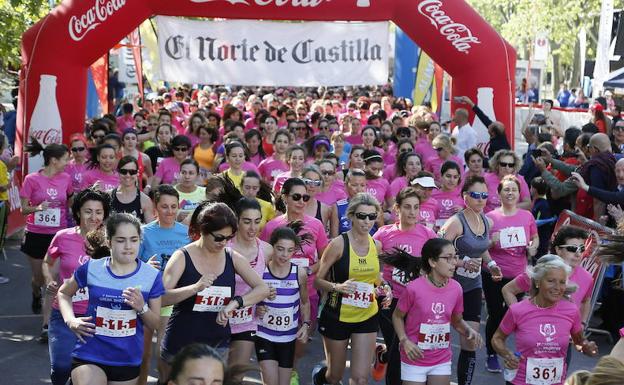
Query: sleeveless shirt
[[470, 245]]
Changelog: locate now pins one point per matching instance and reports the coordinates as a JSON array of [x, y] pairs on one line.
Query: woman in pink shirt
[[168, 171], [355, 135], [449, 196], [408, 166], [375, 184], [543, 325], [66, 253], [79, 157], [445, 151], [370, 140], [102, 173], [423, 144], [192, 127], [43, 197], [474, 163], [513, 240], [333, 188], [424, 185], [569, 244], [505, 162], [429, 306], [295, 156], [257, 253], [392, 170], [408, 235], [253, 140], [275, 164]]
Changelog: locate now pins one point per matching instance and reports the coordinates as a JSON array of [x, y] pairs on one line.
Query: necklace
[[434, 283], [534, 300]]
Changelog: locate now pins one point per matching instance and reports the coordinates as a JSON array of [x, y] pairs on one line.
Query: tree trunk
[[576, 65], [556, 74]]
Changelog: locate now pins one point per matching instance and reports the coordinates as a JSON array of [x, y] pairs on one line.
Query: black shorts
[[244, 336], [113, 373], [36, 245], [473, 301], [339, 331], [282, 352]]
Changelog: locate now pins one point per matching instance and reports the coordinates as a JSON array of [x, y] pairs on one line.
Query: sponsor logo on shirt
[[548, 331], [437, 308]]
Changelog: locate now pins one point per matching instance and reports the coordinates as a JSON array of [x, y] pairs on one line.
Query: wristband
[[307, 323], [238, 299], [491, 264], [143, 310]]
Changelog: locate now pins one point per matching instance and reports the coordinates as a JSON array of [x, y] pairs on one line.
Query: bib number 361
[[544, 371]]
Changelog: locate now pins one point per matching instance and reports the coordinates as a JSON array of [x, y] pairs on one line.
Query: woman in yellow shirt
[[204, 152]]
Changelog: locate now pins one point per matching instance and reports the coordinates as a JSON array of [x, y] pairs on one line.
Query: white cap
[[424, 181]]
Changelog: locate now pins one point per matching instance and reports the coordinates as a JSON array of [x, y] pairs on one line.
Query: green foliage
[[16, 16]]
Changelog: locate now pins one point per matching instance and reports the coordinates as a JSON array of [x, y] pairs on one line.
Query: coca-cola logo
[[281, 3], [458, 34], [79, 26], [45, 137]]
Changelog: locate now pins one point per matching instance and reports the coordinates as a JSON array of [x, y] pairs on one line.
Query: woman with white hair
[[503, 163], [444, 151], [543, 325]]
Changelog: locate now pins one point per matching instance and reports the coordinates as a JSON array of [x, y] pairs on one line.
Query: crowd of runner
[[231, 224]]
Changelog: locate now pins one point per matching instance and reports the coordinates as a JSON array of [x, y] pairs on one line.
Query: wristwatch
[[144, 310]]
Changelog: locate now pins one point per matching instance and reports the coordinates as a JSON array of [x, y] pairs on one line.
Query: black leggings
[[393, 357], [496, 306]]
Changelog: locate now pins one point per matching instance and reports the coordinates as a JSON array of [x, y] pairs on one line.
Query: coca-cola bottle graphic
[[45, 122], [485, 101], [363, 3]]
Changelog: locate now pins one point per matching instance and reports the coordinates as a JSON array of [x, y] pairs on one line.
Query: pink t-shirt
[[168, 171], [194, 139], [428, 312], [516, 232], [541, 334], [389, 157], [333, 194], [492, 180], [55, 190], [397, 185], [411, 241], [242, 321], [424, 148], [379, 188], [429, 212], [107, 181], [246, 166], [69, 247], [124, 122], [434, 164], [271, 167], [581, 277], [76, 172], [353, 139], [449, 202], [279, 181], [389, 172], [310, 251]]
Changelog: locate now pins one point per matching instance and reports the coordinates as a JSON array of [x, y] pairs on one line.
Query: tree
[[518, 21]]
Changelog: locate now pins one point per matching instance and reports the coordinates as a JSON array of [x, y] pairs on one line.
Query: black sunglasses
[[180, 149], [97, 137], [573, 248], [328, 172], [363, 216], [311, 182], [125, 171], [510, 165], [220, 238], [78, 149], [297, 197]]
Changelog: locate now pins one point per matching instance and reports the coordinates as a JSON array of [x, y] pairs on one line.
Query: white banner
[[267, 53], [601, 69]]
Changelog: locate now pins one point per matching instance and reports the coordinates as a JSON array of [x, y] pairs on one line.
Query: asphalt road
[[23, 360]]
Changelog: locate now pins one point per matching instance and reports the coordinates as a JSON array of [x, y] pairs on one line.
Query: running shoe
[[3, 279], [36, 304], [492, 365], [379, 367], [294, 378], [315, 371], [43, 337]]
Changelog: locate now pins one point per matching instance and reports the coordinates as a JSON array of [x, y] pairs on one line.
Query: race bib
[[512, 237], [242, 316], [301, 262], [115, 323], [434, 336], [278, 319], [81, 295], [212, 299], [48, 218], [544, 371], [362, 297], [468, 274], [399, 276]]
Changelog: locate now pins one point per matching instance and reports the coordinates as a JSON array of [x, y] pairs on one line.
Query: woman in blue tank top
[[200, 283], [469, 232]]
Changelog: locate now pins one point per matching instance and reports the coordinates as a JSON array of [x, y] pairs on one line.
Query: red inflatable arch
[[77, 32]]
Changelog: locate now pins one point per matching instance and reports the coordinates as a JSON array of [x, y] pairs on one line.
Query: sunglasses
[[478, 195], [363, 216], [328, 172], [438, 149], [301, 128], [619, 128], [78, 149], [97, 137], [220, 238], [180, 149], [125, 171], [297, 197], [510, 165], [311, 182], [573, 248]]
